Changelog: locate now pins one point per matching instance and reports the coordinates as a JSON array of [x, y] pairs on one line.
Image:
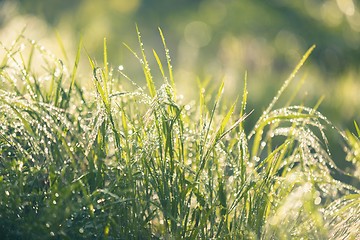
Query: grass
[[124, 162]]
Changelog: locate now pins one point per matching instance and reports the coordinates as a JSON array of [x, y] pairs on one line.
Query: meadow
[[126, 160]]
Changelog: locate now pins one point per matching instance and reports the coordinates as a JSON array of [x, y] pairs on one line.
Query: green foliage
[[140, 164]]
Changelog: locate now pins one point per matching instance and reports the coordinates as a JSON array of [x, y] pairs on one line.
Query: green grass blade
[[146, 68], [225, 121], [289, 79], [283, 88], [159, 64], [106, 69], [357, 128], [244, 100], [75, 68], [61, 45], [168, 59]]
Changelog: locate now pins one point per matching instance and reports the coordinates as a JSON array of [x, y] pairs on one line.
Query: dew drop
[[317, 201], [22, 47]]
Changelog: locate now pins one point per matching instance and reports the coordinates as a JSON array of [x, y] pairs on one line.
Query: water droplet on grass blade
[[317, 201]]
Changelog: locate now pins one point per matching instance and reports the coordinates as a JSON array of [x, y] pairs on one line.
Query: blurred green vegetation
[[215, 39]]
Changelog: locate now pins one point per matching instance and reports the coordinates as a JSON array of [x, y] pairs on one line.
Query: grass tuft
[[137, 164]]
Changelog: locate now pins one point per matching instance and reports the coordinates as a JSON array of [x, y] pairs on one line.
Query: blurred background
[[214, 39]]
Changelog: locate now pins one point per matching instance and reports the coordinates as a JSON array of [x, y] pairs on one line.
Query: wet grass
[[126, 162]]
